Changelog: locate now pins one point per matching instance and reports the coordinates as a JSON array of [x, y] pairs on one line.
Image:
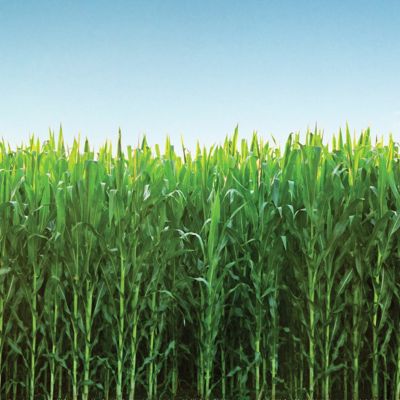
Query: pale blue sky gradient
[[197, 68]]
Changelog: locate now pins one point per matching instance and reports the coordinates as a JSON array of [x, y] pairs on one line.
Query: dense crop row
[[238, 272]]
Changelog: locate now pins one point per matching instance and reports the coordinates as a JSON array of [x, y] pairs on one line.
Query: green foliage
[[242, 271]]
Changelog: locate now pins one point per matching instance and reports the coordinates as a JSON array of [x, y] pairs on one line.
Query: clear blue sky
[[197, 68]]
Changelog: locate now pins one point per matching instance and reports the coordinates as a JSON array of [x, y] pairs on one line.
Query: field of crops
[[242, 271]]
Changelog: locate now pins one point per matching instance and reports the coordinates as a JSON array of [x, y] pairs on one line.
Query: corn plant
[[243, 270]]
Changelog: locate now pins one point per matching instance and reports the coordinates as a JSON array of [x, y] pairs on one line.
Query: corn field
[[242, 271]]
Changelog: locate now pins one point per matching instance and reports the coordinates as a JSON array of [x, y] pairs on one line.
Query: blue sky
[[197, 68]]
